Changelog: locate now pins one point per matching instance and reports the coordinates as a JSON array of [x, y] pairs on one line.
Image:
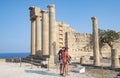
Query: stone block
[[79, 69]]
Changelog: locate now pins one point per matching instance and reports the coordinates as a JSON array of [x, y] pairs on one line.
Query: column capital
[[44, 11], [51, 5], [94, 18]]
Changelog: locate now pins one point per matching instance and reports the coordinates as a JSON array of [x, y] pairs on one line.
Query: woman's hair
[[66, 49]]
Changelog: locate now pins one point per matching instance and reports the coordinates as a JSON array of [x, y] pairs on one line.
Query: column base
[[97, 64]]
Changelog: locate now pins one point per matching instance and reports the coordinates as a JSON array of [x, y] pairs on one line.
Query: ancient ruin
[[53, 35]]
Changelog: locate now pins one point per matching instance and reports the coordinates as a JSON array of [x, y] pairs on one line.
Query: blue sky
[[15, 22]]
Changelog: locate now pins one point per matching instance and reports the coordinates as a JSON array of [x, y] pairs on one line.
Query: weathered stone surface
[[33, 27], [45, 33], [96, 52], [115, 59], [35, 17]]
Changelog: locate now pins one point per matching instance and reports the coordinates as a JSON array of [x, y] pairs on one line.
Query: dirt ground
[[98, 72]]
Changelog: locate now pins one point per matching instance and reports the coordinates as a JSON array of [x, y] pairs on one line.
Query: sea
[[14, 55]]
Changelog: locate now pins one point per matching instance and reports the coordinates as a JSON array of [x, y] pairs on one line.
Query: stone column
[[95, 42], [115, 58], [38, 35], [33, 27], [52, 32], [45, 33]]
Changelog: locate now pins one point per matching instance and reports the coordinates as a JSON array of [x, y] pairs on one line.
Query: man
[[60, 59]]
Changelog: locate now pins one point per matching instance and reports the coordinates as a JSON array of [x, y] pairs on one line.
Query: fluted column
[[38, 35], [95, 42], [45, 33], [33, 27], [52, 32]]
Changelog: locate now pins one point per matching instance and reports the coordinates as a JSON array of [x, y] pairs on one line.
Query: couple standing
[[63, 59]]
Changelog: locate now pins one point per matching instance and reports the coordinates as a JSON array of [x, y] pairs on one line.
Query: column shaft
[[33, 27], [45, 33], [52, 29], [38, 35], [95, 42]]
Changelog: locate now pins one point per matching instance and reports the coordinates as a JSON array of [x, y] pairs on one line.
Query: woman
[[65, 56]]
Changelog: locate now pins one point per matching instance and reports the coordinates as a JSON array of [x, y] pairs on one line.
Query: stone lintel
[[37, 12], [34, 12]]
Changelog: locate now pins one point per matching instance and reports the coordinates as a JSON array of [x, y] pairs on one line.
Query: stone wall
[[54, 35], [62, 28], [79, 44]]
